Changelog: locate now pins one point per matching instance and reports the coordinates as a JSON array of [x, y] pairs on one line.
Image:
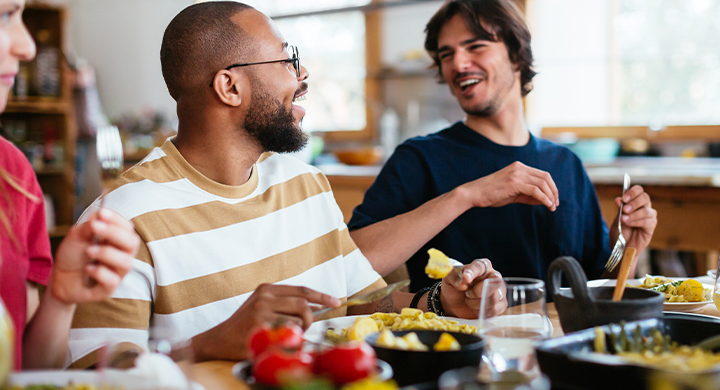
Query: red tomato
[[287, 336], [346, 363], [276, 366]]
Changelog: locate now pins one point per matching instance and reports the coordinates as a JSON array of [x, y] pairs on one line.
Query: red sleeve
[[38, 241]]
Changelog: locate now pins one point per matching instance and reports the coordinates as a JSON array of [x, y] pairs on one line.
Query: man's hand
[[638, 219], [269, 304], [516, 183], [460, 296], [114, 253]]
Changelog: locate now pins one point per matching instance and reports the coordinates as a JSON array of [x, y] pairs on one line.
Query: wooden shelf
[[51, 170], [38, 105]]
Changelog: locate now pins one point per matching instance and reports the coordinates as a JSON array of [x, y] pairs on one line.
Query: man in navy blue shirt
[[485, 187]]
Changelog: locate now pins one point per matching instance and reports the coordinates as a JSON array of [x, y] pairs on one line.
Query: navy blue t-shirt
[[519, 239]]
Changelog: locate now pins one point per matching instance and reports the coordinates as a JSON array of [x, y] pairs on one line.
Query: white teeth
[[468, 82], [300, 98]]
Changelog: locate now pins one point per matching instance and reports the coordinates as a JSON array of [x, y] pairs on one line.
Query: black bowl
[[412, 367], [580, 307], [243, 371]]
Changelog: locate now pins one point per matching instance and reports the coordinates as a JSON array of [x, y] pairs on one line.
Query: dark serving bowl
[[580, 307], [569, 365], [412, 367], [243, 371]]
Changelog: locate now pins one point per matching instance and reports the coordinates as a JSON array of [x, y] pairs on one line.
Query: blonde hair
[[4, 218]]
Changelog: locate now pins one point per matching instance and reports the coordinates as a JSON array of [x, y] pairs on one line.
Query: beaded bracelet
[[417, 296], [433, 299]]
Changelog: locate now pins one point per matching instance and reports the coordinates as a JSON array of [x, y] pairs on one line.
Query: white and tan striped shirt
[[207, 247]]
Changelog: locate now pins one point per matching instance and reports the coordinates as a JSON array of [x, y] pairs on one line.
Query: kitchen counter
[[670, 171]]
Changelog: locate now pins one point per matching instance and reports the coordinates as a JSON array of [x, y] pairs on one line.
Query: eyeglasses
[[294, 59]]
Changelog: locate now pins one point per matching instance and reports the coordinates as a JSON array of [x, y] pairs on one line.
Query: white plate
[[126, 379], [316, 331], [668, 306], [712, 273]]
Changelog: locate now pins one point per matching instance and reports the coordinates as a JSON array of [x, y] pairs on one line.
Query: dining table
[[217, 374]]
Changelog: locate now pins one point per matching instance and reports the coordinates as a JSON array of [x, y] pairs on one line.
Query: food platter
[[667, 306], [569, 365], [316, 332]]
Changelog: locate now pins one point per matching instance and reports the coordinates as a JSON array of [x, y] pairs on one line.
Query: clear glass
[[509, 336]]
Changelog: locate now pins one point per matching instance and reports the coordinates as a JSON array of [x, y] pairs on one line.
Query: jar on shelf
[[46, 66]]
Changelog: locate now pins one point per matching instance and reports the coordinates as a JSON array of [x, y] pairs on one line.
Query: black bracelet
[[417, 296], [433, 299]]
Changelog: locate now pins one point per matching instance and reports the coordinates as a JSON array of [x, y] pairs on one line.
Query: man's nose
[[304, 74], [461, 60]]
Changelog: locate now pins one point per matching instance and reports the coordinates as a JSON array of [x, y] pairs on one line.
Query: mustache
[[303, 88], [466, 74]]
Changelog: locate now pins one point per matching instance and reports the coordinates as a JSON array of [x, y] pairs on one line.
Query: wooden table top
[[217, 375]]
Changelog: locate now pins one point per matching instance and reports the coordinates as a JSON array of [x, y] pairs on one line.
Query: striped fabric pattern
[[207, 246]]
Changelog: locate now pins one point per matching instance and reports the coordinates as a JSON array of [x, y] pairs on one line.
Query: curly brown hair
[[505, 22]]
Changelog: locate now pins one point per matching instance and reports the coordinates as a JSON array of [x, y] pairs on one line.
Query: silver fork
[[109, 151], [619, 249]]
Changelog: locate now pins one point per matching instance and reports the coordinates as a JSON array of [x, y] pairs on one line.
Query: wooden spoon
[[625, 263]]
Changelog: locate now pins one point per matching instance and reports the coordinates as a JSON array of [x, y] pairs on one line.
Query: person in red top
[[42, 325]]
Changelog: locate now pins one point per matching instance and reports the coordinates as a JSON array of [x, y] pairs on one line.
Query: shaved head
[[201, 40]]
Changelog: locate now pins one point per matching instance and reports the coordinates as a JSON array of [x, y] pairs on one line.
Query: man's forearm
[[388, 244]]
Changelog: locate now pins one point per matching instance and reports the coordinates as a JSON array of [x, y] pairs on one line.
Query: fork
[[619, 249], [109, 150]]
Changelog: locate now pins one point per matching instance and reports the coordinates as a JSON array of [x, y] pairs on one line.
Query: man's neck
[[506, 127], [226, 160]]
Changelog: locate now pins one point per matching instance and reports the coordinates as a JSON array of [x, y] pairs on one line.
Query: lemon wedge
[[438, 265]]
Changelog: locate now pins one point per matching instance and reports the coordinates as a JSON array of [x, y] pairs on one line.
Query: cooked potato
[[691, 290], [446, 343], [362, 327], [438, 265]]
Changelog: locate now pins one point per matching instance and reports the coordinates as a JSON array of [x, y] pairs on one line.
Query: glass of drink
[[509, 335]]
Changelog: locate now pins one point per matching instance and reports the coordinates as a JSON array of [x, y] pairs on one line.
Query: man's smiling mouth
[[465, 84]]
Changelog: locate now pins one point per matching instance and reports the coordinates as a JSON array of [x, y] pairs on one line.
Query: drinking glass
[[509, 336]]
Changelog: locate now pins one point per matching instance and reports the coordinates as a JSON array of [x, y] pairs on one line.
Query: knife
[[363, 299]]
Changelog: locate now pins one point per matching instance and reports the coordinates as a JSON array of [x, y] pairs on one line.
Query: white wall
[[121, 40]]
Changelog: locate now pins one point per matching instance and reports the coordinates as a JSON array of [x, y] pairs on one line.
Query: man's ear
[[229, 87]]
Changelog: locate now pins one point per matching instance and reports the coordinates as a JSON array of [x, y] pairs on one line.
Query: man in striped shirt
[[234, 234]]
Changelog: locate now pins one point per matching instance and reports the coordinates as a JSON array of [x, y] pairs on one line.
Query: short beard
[[271, 124], [487, 110]]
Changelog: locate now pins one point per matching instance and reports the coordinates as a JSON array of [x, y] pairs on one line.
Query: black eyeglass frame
[[294, 59]]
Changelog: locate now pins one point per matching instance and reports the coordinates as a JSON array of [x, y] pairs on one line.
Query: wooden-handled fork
[[627, 260]]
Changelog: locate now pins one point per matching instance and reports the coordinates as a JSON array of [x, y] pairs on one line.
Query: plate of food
[[354, 327], [681, 294]]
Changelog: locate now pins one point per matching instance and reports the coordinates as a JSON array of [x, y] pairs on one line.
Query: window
[[625, 62], [333, 49]]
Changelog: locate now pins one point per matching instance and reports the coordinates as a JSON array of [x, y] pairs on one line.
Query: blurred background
[[630, 85]]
